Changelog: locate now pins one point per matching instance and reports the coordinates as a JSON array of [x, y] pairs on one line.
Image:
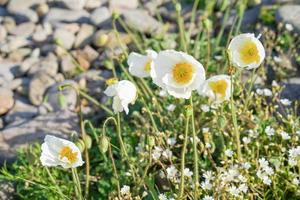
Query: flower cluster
[[264, 171]]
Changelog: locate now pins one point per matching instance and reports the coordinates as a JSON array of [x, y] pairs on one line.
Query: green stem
[[234, 120], [150, 115], [183, 157], [227, 12], [196, 169], [77, 184], [54, 183], [248, 94], [193, 17], [114, 169], [180, 22]]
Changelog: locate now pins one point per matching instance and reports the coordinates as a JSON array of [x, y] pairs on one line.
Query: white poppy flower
[[217, 88], [140, 65], [57, 151], [124, 93], [178, 73], [246, 51]]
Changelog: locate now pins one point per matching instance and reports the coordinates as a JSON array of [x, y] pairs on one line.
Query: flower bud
[[104, 144], [80, 145], [87, 141]]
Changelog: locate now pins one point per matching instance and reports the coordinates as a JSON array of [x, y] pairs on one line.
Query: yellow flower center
[[249, 52], [183, 72], [111, 81], [66, 152], [147, 66], [219, 87]]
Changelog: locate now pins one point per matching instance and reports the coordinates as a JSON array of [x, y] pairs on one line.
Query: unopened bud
[[87, 141], [104, 144]]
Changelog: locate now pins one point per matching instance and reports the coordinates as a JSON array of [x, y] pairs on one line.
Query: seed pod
[[87, 141], [104, 143], [80, 145]]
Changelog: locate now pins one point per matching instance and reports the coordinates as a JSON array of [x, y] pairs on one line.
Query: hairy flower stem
[[54, 183], [114, 169], [150, 115], [123, 148], [248, 94], [77, 184], [196, 169], [182, 166], [180, 22], [234, 121]]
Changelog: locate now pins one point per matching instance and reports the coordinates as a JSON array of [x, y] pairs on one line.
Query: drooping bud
[[103, 144]]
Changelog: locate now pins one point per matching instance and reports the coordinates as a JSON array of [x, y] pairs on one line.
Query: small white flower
[[171, 141], [207, 145], [285, 102], [263, 163], [171, 107], [269, 131], [187, 172], [140, 65], [217, 88], [246, 51], [208, 175], [167, 154], [228, 152], [124, 93], [264, 92], [162, 197], [274, 83], [289, 27], [246, 165], [156, 153], [205, 108], [296, 181], [292, 162], [243, 188], [163, 93], [207, 197], [246, 140], [178, 73], [298, 132], [205, 130], [125, 190], [285, 135], [233, 190], [57, 151], [171, 172], [266, 180], [206, 185], [269, 170]]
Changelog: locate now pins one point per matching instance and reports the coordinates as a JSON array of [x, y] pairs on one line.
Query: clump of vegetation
[[184, 124]]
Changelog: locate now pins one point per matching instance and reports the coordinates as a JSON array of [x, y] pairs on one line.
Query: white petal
[[137, 64]]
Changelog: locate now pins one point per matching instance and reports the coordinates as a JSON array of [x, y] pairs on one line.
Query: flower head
[[178, 73], [140, 65], [217, 88], [124, 93], [246, 51], [57, 151]]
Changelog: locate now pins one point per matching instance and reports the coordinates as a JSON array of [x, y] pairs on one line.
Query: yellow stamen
[[249, 52], [147, 67], [111, 81], [219, 87], [66, 152], [183, 72]]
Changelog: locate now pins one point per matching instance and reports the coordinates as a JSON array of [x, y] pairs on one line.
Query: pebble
[[74, 4], [289, 14], [68, 66], [121, 6], [19, 5], [93, 4], [3, 33], [56, 15], [64, 38], [14, 43], [24, 29], [6, 100], [101, 17], [84, 36]]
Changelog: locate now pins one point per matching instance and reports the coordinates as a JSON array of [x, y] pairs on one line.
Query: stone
[[2, 3], [24, 29], [84, 36], [64, 38], [23, 89], [93, 4], [7, 72], [140, 20], [62, 99], [25, 15], [42, 9], [22, 110], [22, 133], [101, 17], [68, 67], [27, 64], [82, 60], [74, 4], [3, 33], [14, 43], [7, 190], [40, 34], [18, 5], [9, 23], [38, 86], [121, 6], [56, 15], [18, 55], [6, 100], [48, 65], [291, 89], [289, 14], [91, 54]]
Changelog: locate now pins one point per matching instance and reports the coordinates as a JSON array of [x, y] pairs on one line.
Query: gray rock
[[101, 17], [13, 43], [24, 29], [90, 53], [292, 89], [22, 110], [48, 65], [7, 190], [38, 86], [21, 133], [40, 34], [56, 15], [3, 33], [7, 72], [289, 14], [62, 99], [74, 4], [9, 23], [23, 89], [121, 6], [84, 36], [68, 67], [64, 38], [27, 64], [42, 9], [18, 5], [141, 21], [92, 4], [26, 15], [6, 100], [18, 55]]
